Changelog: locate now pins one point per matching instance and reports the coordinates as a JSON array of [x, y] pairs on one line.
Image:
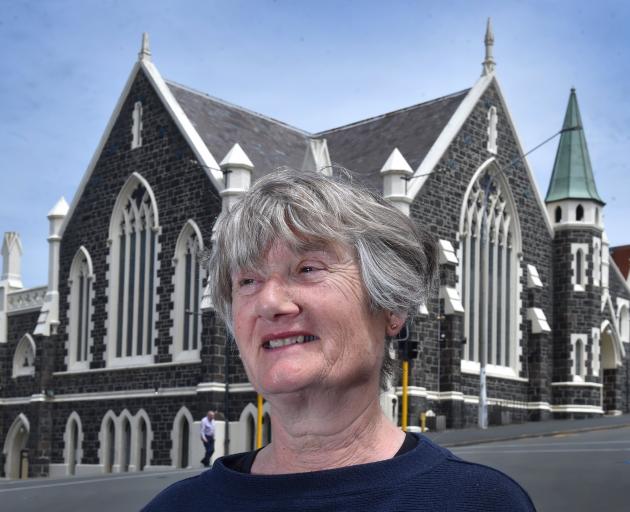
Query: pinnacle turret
[[489, 63], [572, 176]]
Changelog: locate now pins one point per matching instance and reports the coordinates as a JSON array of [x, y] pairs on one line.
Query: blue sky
[[314, 65]]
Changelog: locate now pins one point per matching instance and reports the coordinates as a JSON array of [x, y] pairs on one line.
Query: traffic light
[[407, 348]]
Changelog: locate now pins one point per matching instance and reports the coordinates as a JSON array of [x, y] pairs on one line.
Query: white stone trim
[[584, 249], [201, 151], [132, 221], [177, 296], [447, 253], [72, 312], [595, 385], [448, 134], [25, 300], [11, 455], [597, 261], [136, 125], [176, 436], [104, 448], [533, 279], [67, 442], [452, 300], [205, 387], [538, 320], [595, 352], [494, 371], [491, 131], [574, 408], [623, 319], [25, 347], [579, 341], [136, 445], [110, 369]]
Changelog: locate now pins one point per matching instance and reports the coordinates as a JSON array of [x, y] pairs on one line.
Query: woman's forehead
[[283, 248]]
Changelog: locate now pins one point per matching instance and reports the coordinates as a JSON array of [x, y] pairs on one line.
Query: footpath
[[470, 436]]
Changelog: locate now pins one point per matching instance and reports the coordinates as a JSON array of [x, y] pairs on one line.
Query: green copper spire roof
[[572, 176]]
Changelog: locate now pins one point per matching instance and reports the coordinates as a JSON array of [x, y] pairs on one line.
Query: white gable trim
[[613, 264], [449, 132], [530, 176], [193, 138], [183, 123], [620, 351]]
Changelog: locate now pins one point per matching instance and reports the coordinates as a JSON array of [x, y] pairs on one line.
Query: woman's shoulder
[[480, 487], [188, 494]]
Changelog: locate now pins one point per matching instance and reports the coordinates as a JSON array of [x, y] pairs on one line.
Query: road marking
[[553, 450], [102, 479], [490, 447]]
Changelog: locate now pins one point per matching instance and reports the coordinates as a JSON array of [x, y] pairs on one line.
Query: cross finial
[[488, 63], [145, 51]]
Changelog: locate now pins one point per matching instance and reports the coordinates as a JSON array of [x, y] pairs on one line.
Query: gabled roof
[[572, 176], [363, 147], [267, 142], [621, 257]]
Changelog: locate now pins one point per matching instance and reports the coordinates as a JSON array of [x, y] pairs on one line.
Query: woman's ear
[[395, 322]]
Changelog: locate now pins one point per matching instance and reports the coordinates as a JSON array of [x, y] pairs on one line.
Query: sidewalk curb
[[531, 435]]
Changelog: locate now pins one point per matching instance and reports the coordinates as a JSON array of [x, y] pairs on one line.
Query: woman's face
[[302, 322]]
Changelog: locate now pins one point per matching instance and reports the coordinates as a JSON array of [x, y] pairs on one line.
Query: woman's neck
[[308, 437]]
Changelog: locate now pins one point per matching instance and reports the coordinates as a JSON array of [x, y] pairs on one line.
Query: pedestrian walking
[[207, 437]]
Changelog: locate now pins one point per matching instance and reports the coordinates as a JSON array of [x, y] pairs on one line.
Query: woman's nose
[[276, 299]]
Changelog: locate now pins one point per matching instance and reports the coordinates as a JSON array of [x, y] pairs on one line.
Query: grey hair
[[308, 210]]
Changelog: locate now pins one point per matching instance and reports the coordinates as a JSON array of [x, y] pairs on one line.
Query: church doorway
[[609, 371], [16, 463]]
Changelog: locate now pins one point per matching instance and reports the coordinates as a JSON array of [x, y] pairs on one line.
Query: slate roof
[[362, 147], [267, 142]]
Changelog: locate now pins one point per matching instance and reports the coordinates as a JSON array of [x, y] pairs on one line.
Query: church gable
[[145, 140]]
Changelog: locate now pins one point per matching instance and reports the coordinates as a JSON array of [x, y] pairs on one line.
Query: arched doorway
[[184, 447], [73, 447], [143, 444], [608, 370], [266, 429], [250, 433], [109, 445], [15, 442], [126, 445]]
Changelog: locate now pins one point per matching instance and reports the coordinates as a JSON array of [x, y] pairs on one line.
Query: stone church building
[[110, 366]]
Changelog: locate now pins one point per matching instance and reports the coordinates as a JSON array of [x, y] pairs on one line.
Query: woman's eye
[[245, 281], [307, 269]]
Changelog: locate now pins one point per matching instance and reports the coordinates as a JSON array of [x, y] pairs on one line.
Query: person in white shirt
[[207, 437]]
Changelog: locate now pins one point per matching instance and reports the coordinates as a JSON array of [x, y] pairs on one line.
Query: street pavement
[[577, 466], [467, 436]]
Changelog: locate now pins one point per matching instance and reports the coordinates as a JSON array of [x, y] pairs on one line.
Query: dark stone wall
[[437, 209], [18, 325]]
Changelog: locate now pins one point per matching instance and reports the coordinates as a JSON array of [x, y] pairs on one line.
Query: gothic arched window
[[558, 214], [579, 212], [79, 328], [133, 255], [490, 244], [188, 288], [24, 357]]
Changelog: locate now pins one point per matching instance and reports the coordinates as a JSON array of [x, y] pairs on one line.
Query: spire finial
[[488, 63], [145, 51]]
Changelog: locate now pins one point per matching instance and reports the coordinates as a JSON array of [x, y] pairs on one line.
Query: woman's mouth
[[292, 340]]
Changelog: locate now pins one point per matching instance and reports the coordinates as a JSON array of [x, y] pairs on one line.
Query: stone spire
[[572, 176], [488, 63], [145, 51]]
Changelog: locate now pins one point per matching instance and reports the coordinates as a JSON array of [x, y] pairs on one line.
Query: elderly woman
[[312, 275]]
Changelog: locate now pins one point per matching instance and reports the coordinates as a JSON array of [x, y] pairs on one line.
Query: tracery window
[[79, 328], [133, 255], [24, 357], [490, 245], [188, 288]]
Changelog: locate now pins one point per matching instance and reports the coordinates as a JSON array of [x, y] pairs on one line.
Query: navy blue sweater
[[426, 478]]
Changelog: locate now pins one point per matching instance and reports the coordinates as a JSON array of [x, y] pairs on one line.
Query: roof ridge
[[237, 107], [393, 112]]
